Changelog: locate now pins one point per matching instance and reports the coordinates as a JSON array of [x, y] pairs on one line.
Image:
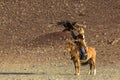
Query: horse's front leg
[[77, 67]]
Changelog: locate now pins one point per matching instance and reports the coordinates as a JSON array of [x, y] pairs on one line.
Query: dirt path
[[55, 72]]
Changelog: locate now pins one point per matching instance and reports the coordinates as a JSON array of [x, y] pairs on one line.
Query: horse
[[73, 50]]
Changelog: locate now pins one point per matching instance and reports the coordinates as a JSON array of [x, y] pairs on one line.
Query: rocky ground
[[30, 36]]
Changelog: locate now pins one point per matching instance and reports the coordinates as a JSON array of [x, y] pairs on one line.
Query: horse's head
[[70, 45]]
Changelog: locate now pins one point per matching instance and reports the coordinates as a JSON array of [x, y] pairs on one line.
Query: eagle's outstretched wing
[[67, 25]]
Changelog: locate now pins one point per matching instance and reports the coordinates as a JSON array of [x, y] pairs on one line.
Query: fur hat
[[81, 31]]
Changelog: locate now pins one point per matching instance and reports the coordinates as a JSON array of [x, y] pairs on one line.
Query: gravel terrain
[[32, 44]]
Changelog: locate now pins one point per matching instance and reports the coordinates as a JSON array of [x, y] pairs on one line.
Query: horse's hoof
[[89, 73], [94, 72], [77, 74]]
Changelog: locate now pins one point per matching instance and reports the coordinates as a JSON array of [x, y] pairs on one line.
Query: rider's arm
[[73, 35]]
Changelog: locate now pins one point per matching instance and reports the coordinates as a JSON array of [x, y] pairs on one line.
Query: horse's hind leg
[[94, 64], [90, 71]]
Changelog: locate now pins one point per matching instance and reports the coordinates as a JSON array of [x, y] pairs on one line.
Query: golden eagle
[[67, 25]]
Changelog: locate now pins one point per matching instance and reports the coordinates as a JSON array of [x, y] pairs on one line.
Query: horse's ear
[[68, 41]]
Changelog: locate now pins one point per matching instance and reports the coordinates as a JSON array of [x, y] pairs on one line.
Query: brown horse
[[73, 50]]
